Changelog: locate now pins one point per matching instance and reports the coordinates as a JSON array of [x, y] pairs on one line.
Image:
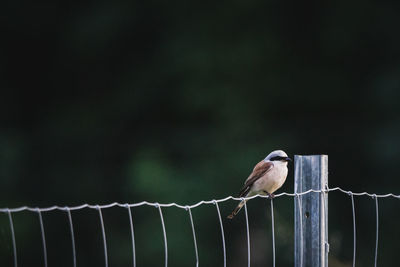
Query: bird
[[267, 176]]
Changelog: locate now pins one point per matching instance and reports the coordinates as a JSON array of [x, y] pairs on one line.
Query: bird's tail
[[237, 209]]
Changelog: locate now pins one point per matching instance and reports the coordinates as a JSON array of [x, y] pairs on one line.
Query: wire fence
[[188, 208]]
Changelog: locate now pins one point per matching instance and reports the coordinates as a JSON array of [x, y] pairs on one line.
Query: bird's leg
[[269, 195]]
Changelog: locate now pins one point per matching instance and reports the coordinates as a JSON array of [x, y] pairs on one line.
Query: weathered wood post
[[311, 211]]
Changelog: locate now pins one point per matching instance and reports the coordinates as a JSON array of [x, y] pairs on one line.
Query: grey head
[[277, 155]]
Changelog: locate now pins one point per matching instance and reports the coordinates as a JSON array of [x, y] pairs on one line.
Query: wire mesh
[[188, 208]]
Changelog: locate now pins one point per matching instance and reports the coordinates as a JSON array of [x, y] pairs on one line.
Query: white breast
[[272, 180]]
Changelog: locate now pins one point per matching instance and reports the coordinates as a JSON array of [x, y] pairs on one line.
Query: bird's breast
[[272, 180]]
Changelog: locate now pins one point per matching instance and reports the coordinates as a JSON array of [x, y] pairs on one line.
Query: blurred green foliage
[[176, 102]]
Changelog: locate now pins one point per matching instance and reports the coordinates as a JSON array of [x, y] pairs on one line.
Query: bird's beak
[[288, 159]]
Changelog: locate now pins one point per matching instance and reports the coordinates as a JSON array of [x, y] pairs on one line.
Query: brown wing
[[259, 170]]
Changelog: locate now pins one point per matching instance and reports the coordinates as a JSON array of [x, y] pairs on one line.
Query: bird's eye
[[275, 158]]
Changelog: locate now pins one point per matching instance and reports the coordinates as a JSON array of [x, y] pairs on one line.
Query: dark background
[[176, 102]]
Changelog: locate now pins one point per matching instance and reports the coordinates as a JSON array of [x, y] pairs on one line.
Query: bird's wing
[[259, 170]]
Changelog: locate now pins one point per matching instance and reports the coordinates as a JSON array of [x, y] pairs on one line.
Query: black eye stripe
[[278, 158]]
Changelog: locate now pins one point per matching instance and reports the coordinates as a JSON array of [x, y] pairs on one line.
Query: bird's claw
[[271, 196]]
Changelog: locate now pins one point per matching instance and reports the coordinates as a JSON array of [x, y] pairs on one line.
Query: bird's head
[[277, 156]]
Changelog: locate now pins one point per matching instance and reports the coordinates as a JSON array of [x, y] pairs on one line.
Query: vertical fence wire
[[248, 233], [132, 235], [43, 238], [104, 236], [301, 228], [273, 233], [13, 238], [71, 227], [377, 231], [324, 211], [354, 229], [194, 236], [222, 231], [188, 208], [165, 235]]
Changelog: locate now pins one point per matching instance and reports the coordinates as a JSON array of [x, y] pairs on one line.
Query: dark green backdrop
[[176, 101]]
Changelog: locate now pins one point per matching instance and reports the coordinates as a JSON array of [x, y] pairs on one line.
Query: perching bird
[[267, 177]]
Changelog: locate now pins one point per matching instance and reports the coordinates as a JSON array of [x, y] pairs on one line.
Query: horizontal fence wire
[[173, 204], [188, 208]]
